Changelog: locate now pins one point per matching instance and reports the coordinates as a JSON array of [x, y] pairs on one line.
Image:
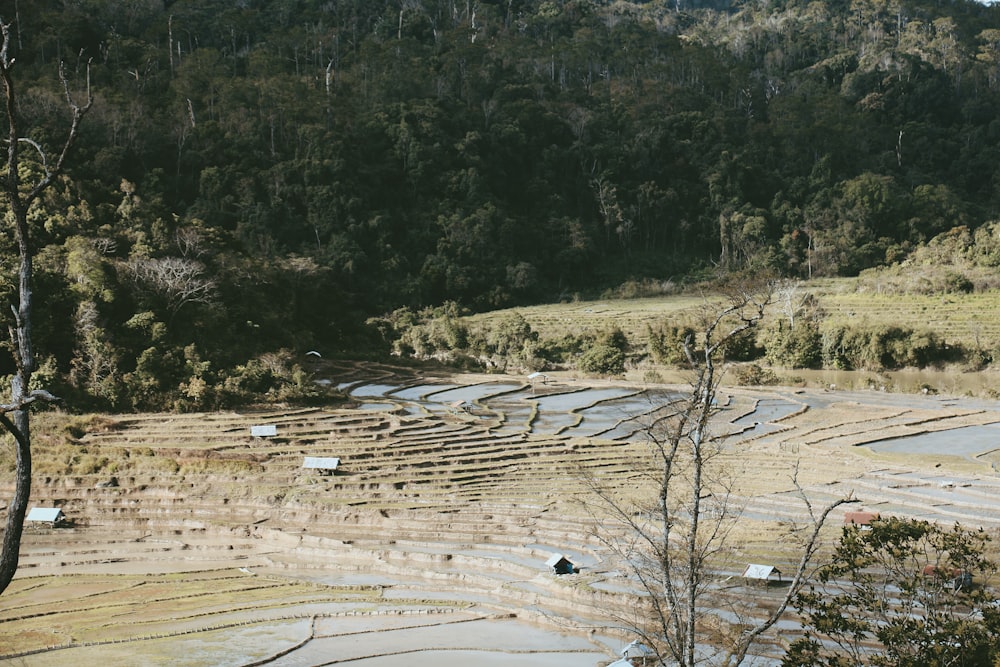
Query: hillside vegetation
[[847, 324], [257, 177]]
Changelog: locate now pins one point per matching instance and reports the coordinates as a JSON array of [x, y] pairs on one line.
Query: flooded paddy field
[[428, 545]]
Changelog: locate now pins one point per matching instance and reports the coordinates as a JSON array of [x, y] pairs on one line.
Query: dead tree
[[672, 532], [20, 196]]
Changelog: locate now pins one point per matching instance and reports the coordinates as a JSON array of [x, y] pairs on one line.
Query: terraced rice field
[[428, 544]]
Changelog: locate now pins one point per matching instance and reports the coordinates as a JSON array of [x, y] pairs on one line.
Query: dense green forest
[[263, 175]]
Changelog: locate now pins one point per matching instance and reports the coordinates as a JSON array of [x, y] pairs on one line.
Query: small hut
[[52, 516], [958, 579], [541, 377], [636, 654], [763, 573], [325, 465], [861, 519], [264, 431], [560, 564]]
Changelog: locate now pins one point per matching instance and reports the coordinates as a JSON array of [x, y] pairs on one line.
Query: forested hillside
[[259, 175]]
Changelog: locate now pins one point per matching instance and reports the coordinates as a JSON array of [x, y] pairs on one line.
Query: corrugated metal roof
[[636, 649], [263, 430], [321, 462], [754, 571], [51, 514], [554, 560], [860, 518]]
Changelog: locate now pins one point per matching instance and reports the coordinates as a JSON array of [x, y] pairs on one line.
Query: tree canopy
[[258, 176]]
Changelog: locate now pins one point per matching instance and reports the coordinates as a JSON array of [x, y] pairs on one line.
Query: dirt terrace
[[428, 545]]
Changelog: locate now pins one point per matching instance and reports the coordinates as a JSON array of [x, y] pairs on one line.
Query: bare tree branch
[[674, 538]]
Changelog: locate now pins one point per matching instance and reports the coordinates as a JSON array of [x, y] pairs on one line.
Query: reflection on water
[[769, 410], [968, 441], [618, 413], [372, 390], [579, 399], [378, 407], [472, 393]]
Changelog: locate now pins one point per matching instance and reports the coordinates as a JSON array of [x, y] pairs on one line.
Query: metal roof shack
[[49, 515], [635, 654], [761, 572], [863, 519], [560, 564], [263, 431], [326, 465], [956, 578]]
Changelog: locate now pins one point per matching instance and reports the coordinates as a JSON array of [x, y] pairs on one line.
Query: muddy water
[[984, 383]]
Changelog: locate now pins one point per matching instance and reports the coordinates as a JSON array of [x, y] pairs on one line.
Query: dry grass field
[[428, 544]]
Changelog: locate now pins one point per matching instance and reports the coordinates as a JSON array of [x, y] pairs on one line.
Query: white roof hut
[[264, 431], [326, 465], [634, 653], [560, 564], [761, 572], [50, 515]]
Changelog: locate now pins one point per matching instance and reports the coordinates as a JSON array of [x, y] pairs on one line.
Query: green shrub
[[884, 347], [753, 375], [794, 347], [957, 282], [603, 359], [607, 355], [666, 343], [511, 342], [563, 350], [741, 347]]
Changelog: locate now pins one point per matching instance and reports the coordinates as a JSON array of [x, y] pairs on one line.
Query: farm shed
[[560, 564], [49, 515], [863, 519], [324, 464], [636, 654], [959, 579], [761, 572], [264, 431]]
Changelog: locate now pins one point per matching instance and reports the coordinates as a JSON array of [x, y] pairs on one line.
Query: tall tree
[[21, 192]]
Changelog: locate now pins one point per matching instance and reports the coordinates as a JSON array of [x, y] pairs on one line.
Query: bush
[[753, 375], [607, 356], [666, 343], [741, 347], [603, 359], [884, 347], [562, 350], [794, 347]]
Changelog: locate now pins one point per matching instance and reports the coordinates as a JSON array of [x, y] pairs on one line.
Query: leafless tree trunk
[[179, 280], [670, 545], [20, 196]]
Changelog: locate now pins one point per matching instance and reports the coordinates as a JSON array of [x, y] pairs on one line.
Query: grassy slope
[[967, 319]]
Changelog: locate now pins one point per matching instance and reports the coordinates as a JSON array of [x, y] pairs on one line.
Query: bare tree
[[670, 543], [20, 196], [179, 280]]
